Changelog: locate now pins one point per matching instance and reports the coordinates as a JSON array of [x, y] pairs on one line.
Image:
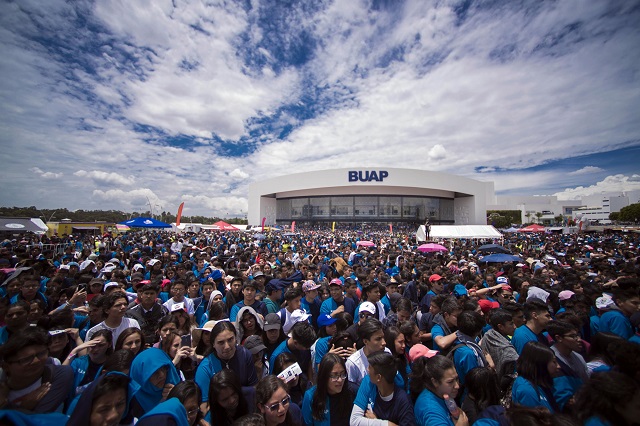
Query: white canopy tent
[[458, 231]]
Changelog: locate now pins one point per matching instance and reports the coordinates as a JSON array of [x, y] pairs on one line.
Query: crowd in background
[[234, 328]]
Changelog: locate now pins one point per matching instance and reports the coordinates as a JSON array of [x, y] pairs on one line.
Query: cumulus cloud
[[45, 175], [106, 178], [614, 183], [587, 170], [197, 99]]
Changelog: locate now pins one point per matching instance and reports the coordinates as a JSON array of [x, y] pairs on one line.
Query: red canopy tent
[[532, 228], [224, 226]]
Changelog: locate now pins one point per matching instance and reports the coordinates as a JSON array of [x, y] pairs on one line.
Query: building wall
[[470, 196]]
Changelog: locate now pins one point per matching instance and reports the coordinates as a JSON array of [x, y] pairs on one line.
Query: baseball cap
[[460, 290], [487, 305], [326, 319], [274, 285], [604, 302], [336, 281], [272, 322], [502, 280], [367, 307], [254, 344], [310, 286], [434, 277], [296, 316], [111, 284], [565, 295], [258, 274], [419, 350], [178, 307]]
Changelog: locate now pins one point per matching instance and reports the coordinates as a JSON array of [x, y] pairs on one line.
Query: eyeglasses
[[572, 336], [193, 412], [30, 287], [27, 360], [338, 377], [276, 406], [363, 316]]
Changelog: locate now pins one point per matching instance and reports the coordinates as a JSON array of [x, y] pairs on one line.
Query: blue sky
[[108, 104]]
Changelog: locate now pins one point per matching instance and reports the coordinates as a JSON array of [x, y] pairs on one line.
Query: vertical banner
[[293, 226], [179, 215], [333, 227], [391, 228], [264, 219]]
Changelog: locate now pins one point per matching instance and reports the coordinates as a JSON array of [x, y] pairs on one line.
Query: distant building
[[357, 195]]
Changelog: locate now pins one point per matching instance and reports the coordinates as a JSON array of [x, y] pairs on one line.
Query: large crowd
[[314, 328]]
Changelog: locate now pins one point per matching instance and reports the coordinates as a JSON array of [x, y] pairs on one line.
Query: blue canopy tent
[[145, 222]]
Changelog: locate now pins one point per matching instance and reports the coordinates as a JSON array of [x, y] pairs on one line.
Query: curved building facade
[[370, 195]]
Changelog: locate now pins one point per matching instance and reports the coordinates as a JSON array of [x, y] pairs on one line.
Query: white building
[[370, 195], [597, 208]]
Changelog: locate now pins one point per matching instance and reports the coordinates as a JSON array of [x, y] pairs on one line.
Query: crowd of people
[[313, 328]]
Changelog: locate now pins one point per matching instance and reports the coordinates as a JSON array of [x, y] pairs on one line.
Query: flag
[[391, 228], [333, 227], [264, 219], [179, 216], [293, 226]]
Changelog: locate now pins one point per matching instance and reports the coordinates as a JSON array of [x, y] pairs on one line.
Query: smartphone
[[82, 287], [186, 340]]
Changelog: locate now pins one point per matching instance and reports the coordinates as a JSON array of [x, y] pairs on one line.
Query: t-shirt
[[524, 335], [126, 323], [241, 363], [395, 408]]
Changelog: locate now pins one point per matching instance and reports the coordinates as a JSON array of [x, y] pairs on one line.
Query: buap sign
[[367, 176]]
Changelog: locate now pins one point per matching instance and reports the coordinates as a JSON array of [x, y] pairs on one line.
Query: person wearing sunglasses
[[34, 385], [331, 400], [274, 403]]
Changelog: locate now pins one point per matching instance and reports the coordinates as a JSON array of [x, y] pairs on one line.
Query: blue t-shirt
[[617, 323], [524, 335], [330, 305], [398, 410], [527, 394], [257, 306], [430, 410], [241, 363], [436, 331]]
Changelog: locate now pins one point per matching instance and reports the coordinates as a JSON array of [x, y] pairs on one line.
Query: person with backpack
[[443, 332], [496, 343], [466, 353]]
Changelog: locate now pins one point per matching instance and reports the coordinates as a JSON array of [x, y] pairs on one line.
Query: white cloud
[[587, 170], [238, 174], [437, 152], [614, 183], [137, 198], [105, 178], [45, 175]]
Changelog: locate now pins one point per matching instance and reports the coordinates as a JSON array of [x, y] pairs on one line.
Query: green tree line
[[109, 216], [631, 213], [503, 218]]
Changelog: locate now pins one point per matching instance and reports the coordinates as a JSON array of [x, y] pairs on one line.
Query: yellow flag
[[333, 227]]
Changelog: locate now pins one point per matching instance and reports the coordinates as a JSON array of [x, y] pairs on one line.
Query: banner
[[264, 219], [391, 228], [333, 227], [179, 216], [293, 226]]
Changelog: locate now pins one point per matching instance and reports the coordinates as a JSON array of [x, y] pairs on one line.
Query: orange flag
[[179, 214]]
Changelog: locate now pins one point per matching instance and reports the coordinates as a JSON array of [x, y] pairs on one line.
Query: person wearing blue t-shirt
[[432, 380], [331, 400], [301, 339], [536, 368], [337, 302], [617, 320], [470, 355], [379, 397], [443, 333], [249, 299], [226, 353], [537, 316]]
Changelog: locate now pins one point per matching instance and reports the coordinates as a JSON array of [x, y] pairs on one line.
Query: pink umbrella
[[430, 247], [365, 243]]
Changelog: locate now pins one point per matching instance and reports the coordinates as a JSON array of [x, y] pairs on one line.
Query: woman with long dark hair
[[225, 353], [131, 339], [483, 396], [227, 402], [331, 400], [434, 380], [536, 367], [86, 368], [396, 342], [274, 403]]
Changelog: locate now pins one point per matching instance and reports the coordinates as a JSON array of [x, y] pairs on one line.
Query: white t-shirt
[[357, 365], [126, 323]]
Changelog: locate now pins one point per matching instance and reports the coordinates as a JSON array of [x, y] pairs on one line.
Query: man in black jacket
[[148, 312]]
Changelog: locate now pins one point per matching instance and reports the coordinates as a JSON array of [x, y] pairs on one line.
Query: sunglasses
[[275, 407]]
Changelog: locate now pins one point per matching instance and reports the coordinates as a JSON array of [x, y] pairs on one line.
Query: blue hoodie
[[144, 365]]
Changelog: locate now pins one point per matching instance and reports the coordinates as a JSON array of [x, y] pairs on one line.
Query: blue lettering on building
[[367, 176]]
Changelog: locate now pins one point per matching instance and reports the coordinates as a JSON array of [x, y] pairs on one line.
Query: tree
[[559, 219], [631, 213], [538, 216], [528, 216], [614, 216]]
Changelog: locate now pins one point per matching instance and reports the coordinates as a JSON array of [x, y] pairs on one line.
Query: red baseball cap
[[434, 277]]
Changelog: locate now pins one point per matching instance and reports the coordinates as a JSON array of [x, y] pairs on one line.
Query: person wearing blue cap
[[327, 325]]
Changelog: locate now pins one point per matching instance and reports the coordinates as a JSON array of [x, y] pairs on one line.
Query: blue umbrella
[[493, 248], [500, 257], [259, 236], [145, 222]]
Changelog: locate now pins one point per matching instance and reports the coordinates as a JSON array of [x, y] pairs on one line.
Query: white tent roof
[[458, 231]]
